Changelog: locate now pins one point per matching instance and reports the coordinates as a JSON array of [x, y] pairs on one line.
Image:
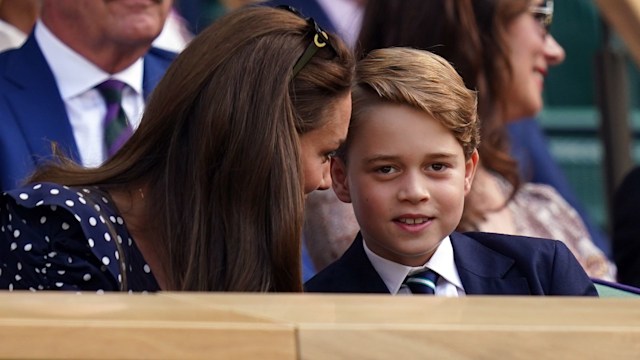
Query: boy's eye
[[386, 170], [438, 167]]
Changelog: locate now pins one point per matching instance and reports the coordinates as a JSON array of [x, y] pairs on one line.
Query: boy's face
[[407, 178]]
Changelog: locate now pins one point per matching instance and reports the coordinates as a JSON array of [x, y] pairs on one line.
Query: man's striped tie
[[117, 129]]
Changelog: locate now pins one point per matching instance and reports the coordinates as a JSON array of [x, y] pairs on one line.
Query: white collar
[[75, 74], [393, 274], [10, 36]]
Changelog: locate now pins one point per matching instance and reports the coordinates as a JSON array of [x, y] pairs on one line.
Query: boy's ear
[[470, 170], [339, 180]]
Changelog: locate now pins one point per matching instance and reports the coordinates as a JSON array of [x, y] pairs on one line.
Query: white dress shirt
[[442, 262], [76, 78]]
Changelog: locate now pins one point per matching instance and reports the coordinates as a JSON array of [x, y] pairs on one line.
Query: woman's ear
[[339, 179], [470, 170]]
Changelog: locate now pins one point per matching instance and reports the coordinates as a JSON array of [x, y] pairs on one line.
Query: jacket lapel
[[484, 271], [359, 272], [36, 102], [156, 62]]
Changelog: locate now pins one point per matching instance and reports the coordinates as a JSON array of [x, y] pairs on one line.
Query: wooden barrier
[[294, 326]]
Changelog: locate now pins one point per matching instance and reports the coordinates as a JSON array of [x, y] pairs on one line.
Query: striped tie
[[423, 282], [117, 129]]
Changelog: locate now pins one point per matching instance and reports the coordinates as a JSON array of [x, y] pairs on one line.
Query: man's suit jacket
[[488, 264], [33, 114], [626, 229]]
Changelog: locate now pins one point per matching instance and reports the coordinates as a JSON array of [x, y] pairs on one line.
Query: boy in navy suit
[[406, 166]]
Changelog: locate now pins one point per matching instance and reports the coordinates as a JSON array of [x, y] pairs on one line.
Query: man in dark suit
[[48, 88]]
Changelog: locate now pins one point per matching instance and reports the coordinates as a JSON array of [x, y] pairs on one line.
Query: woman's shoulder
[[89, 202], [88, 208], [542, 198], [46, 193], [542, 211], [66, 226], [542, 192]]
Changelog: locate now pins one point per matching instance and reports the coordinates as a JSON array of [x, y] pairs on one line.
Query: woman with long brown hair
[[208, 194]]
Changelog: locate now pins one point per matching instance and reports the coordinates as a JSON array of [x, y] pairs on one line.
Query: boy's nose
[[414, 189]]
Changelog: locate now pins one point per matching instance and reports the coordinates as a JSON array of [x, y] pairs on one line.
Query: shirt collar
[[73, 73], [10, 36], [393, 274]]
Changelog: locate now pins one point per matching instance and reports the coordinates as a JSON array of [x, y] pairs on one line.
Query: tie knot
[[423, 282], [111, 91]]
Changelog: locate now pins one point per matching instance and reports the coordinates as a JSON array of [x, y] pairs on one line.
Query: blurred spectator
[[49, 85], [530, 148]]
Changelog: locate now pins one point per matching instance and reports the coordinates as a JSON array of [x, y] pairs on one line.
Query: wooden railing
[[274, 326]]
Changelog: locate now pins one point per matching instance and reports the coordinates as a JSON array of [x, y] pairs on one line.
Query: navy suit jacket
[[488, 264], [33, 114]]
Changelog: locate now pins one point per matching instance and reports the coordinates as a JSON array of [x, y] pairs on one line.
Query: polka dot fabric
[[54, 237]]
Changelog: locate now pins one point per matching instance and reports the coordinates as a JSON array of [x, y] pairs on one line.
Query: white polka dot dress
[[54, 237]]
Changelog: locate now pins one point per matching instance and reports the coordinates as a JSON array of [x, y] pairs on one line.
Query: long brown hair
[[218, 151], [471, 35]]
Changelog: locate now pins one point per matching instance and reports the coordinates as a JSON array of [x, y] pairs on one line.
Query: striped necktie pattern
[[117, 129], [423, 282]]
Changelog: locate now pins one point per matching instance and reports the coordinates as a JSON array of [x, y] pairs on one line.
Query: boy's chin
[[416, 259], [415, 262]]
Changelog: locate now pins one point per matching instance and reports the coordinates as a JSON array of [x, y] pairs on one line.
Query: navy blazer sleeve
[[567, 276]]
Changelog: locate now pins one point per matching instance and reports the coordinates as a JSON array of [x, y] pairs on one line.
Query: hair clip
[[320, 40]]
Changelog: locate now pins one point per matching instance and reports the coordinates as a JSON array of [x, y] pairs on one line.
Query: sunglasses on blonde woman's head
[[320, 40], [543, 13]]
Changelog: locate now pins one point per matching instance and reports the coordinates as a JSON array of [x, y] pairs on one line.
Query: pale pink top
[[538, 210]]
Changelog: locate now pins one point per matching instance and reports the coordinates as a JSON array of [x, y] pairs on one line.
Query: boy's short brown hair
[[419, 79]]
